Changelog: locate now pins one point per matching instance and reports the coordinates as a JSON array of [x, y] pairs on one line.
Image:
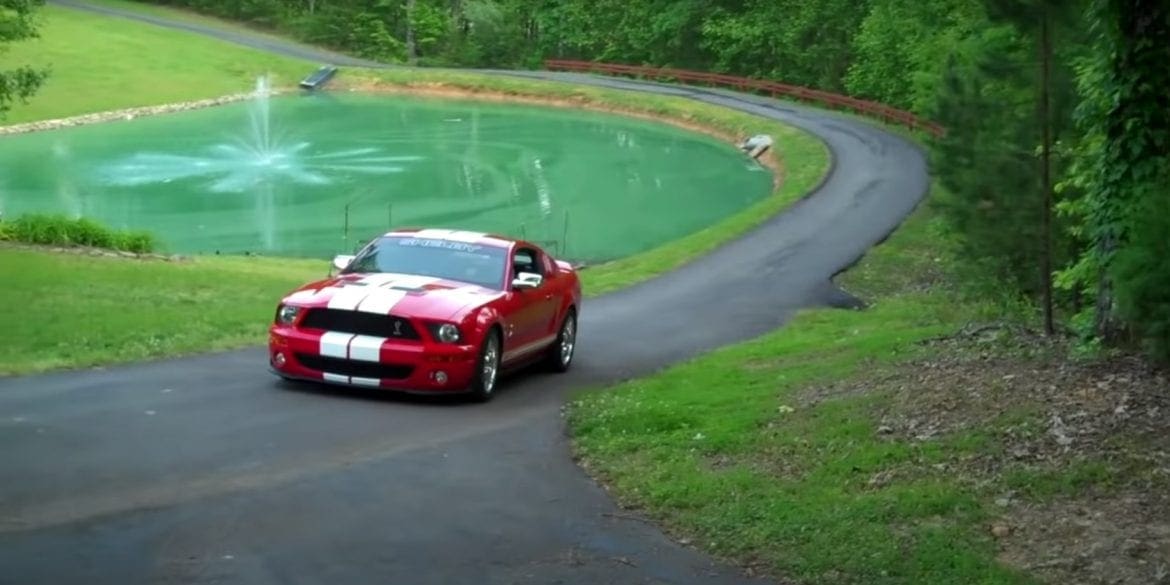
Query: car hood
[[405, 295]]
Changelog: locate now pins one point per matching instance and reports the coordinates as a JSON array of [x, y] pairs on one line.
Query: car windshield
[[473, 263]]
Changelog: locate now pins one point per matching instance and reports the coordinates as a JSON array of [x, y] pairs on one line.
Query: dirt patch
[[1120, 539], [1073, 456], [447, 91]]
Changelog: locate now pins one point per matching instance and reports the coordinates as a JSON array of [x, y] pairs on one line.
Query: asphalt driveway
[[207, 470]]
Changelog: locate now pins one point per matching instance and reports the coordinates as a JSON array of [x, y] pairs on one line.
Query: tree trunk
[[411, 52], [1046, 166]]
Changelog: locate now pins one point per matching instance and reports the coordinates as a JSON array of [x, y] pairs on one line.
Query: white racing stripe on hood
[[380, 301], [411, 281], [380, 278], [348, 297], [334, 344]]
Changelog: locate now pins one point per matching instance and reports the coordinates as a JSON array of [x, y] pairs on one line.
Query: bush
[[1142, 272], [59, 230]]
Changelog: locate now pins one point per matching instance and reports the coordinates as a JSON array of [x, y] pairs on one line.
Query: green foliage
[[1142, 270], [17, 23], [804, 43], [1122, 172], [59, 230]]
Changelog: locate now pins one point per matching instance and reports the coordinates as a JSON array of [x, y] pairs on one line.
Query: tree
[[1036, 19], [411, 49], [1123, 170], [17, 22]]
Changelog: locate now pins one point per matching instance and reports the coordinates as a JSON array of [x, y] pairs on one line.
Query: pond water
[[315, 175]]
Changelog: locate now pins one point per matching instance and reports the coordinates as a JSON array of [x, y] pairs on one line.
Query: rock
[[124, 114], [1000, 530]]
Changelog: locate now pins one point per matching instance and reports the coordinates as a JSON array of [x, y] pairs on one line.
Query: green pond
[[315, 175]]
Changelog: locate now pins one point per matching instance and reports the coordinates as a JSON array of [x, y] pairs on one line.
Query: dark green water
[[275, 176]]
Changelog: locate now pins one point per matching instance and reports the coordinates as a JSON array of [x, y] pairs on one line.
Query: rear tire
[[560, 354], [487, 368]]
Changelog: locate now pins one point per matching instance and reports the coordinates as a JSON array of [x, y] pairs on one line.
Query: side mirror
[[525, 280], [340, 261]]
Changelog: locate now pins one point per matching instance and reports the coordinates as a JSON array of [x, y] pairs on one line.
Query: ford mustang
[[430, 311]]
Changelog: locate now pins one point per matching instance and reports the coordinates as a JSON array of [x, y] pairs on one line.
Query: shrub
[[59, 230]]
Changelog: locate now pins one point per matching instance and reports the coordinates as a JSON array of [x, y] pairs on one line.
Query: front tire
[[560, 355], [487, 368]]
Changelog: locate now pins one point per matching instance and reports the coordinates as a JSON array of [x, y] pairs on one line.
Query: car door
[[532, 309]]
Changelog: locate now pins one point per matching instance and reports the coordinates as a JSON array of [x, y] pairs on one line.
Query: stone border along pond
[[122, 114]]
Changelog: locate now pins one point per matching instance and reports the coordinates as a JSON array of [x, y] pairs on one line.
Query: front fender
[[479, 322]]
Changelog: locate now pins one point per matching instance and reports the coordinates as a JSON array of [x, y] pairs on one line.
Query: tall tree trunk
[[1046, 166], [411, 52]]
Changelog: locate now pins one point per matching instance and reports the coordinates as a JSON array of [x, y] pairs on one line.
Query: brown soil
[[1049, 416]]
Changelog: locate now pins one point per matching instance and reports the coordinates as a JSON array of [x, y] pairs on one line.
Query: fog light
[[440, 376], [278, 359]]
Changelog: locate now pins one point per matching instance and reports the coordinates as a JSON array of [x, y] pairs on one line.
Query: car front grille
[[360, 369], [359, 323]]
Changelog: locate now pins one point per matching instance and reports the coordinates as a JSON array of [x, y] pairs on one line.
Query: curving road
[[207, 470]]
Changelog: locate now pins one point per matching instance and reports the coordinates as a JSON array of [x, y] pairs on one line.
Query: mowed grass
[[728, 452], [98, 63], [71, 310]]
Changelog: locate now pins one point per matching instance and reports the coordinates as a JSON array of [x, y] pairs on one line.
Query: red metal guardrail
[[824, 99]]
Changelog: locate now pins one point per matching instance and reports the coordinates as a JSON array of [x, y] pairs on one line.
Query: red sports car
[[430, 311]]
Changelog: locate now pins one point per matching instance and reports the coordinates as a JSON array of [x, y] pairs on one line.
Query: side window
[[526, 260]]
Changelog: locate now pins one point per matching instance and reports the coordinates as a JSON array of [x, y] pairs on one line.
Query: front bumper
[[363, 361]]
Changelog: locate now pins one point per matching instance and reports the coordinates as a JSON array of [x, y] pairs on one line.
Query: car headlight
[[445, 332], [286, 314]]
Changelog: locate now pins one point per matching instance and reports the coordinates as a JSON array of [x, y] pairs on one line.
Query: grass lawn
[[72, 310], [99, 63], [191, 16], [736, 452]]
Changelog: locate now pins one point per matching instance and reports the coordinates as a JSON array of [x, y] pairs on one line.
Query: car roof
[[452, 235]]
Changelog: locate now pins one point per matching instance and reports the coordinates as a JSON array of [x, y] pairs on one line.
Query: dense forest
[[1054, 166]]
